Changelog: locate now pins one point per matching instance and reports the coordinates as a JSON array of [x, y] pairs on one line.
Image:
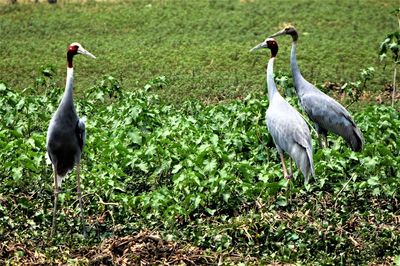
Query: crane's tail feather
[[310, 160], [356, 139], [304, 160], [59, 180], [310, 166]]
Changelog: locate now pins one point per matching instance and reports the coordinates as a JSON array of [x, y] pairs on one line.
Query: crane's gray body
[[288, 129], [327, 114], [66, 134]]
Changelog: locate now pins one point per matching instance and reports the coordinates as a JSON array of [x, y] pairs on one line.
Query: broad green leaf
[[373, 181], [176, 168]]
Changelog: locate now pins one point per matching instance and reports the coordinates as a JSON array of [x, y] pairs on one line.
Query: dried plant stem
[[394, 83]]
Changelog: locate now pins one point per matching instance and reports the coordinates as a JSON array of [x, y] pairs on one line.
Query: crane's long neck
[[270, 79], [67, 99], [297, 77]]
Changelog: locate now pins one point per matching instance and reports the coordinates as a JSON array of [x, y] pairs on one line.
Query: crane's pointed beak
[[84, 52], [279, 33], [259, 46]]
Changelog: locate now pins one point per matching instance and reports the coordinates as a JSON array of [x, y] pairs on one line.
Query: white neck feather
[[270, 78], [70, 79], [69, 87]]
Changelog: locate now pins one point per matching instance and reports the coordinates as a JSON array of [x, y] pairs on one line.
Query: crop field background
[[179, 167], [204, 55]]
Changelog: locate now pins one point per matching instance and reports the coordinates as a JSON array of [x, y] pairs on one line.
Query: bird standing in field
[[327, 114], [66, 135], [286, 126]]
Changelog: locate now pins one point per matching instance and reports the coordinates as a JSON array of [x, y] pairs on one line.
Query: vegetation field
[[168, 177], [201, 47]]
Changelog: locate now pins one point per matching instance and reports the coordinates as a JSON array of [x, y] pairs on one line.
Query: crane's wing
[[286, 125], [332, 116], [291, 134], [81, 132], [325, 111]]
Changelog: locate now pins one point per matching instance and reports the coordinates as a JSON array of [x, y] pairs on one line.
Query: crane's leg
[[326, 141], [322, 137], [321, 145], [78, 181], [56, 191], [288, 177], [284, 166]]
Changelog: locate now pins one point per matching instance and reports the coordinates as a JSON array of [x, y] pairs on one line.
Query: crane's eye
[[270, 43]]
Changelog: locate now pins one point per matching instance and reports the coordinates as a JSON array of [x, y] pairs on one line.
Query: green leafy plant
[[392, 44], [156, 83], [108, 86], [208, 175], [397, 261], [357, 88]]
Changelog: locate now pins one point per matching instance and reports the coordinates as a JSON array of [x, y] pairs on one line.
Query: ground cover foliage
[[204, 55], [202, 181]]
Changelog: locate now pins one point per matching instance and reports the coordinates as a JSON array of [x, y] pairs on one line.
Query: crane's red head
[[76, 48], [269, 43], [289, 30]]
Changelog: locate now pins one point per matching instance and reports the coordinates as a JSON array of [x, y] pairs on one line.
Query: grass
[[203, 54]]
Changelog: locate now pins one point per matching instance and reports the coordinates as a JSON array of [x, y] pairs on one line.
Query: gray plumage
[[288, 129], [66, 136], [327, 114]]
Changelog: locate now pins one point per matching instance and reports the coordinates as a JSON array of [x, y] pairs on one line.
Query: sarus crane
[[288, 129], [66, 135], [327, 114]]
